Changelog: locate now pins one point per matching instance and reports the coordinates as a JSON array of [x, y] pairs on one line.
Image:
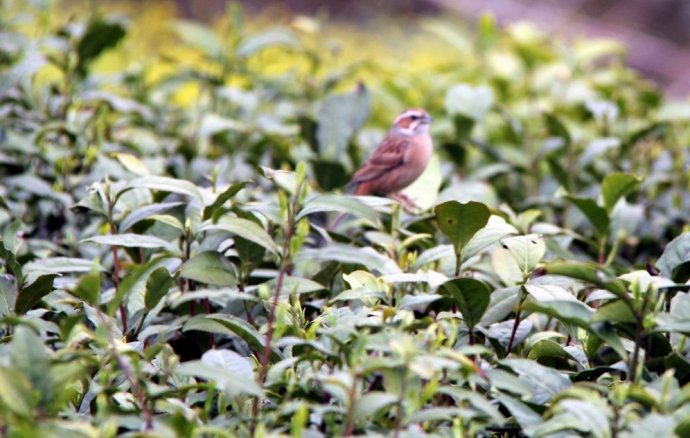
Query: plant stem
[[458, 262], [515, 327], [284, 266], [401, 403], [602, 251], [116, 276], [352, 399], [285, 262]]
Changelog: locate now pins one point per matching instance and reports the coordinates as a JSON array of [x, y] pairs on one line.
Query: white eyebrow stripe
[[408, 113]]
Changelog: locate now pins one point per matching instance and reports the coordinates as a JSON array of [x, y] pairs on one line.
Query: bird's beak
[[427, 119]]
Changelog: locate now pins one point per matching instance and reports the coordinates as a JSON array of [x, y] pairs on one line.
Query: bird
[[399, 159]]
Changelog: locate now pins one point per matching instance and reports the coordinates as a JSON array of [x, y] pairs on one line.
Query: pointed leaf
[[471, 296], [32, 294], [226, 195], [595, 214], [616, 186], [157, 287], [209, 267]]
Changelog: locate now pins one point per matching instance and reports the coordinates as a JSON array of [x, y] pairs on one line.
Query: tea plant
[[174, 266]]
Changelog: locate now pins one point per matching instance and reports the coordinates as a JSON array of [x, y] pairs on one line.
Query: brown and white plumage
[[400, 158]]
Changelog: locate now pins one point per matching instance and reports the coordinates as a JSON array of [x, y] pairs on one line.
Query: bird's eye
[[415, 117]]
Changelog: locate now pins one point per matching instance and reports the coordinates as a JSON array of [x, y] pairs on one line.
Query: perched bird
[[400, 158]]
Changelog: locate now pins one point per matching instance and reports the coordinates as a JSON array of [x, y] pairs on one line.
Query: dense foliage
[[173, 266]]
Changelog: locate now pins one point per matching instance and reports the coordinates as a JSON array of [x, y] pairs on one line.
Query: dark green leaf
[[222, 198], [471, 296], [229, 325], [157, 287], [31, 294], [459, 222], [595, 214], [100, 36], [89, 288], [676, 253]]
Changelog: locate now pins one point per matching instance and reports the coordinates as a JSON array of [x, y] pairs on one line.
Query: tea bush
[[173, 266]]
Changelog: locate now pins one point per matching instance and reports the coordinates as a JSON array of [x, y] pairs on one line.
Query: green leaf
[[523, 415], [571, 312], [596, 215], [232, 383], [526, 250], [496, 229], [8, 296], [678, 319], [339, 117], [31, 62], [157, 287], [675, 255], [616, 186], [460, 222], [229, 325], [15, 392], [468, 101], [544, 382], [145, 212], [341, 203], [89, 288], [11, 262], [60, 265], [423, 192], [372, 402], [100, 36], [471, 296], [274, 38], [199, 36], [590, 273], [349, 255], [246, 229], [557, 128], [129, 240], [30, 295], [166, 184], [209, 267], [222, 198]]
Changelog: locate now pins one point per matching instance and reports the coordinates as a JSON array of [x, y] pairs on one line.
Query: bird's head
[[413, 121]]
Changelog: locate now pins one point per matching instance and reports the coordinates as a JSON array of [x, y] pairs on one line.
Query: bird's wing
[[389, 155]]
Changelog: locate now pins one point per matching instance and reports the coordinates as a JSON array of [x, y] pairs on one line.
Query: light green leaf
[[468, 101], [166, 184], [209, 267], [245, 228], [675, 256], [339, 117], [199, 36], [616, 186], [129, 240], [145, 212], [59, 265], [372, 402], [526, 250], [273, 38], [340, 203]]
